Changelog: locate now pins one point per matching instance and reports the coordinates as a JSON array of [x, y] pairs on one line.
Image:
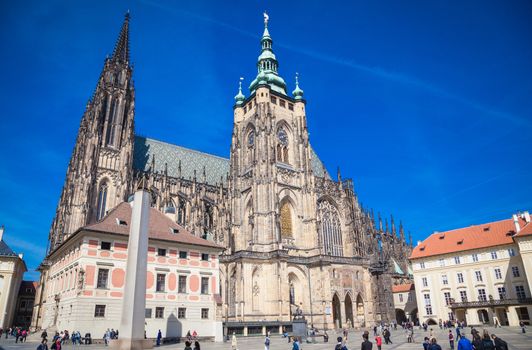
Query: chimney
[[1, 232], [516, 223], [526, 216], [418, 242], [21, 256]]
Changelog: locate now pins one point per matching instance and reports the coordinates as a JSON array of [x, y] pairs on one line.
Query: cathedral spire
[[121, 51], [267, 64]]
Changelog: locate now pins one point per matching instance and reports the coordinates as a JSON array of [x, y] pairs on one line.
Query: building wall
[[72, 291], [11, 272], [406, 302], [435, 269]]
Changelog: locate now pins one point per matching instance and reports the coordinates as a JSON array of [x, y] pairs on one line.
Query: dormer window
[[120, 222], [174, 231]]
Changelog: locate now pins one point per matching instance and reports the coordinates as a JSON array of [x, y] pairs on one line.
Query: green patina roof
[[216, 168], [267, 67], [397, 268]]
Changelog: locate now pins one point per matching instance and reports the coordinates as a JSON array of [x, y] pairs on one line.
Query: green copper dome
[[240, 98], [267, 65], [298, 93]]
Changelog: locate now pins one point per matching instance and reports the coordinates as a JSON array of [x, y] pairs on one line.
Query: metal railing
[[490, 303]]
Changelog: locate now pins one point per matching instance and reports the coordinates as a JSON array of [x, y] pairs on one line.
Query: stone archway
[[400, 316], [336, 311], [361, 318], [348, 310]]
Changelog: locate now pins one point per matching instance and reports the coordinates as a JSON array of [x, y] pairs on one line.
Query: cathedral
[[296, 241]]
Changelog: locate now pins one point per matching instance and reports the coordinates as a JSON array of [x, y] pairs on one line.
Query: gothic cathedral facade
[[297, 241]]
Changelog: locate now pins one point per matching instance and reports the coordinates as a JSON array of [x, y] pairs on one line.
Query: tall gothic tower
[[271, 166], [100, 169]]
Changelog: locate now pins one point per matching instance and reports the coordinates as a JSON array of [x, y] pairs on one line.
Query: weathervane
[[266, 18]]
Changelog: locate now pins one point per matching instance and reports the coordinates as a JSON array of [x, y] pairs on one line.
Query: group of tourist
[[19, 333]]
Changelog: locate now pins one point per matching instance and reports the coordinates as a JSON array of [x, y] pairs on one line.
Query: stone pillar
[[134, 302]]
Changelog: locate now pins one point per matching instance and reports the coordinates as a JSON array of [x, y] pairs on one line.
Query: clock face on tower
[[283, 138]]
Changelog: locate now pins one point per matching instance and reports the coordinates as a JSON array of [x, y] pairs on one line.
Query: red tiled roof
[[474, 237], [525, 231], [401, 288], [160, 227]]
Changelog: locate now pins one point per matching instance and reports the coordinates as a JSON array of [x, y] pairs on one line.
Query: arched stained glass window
[[102, 201], [286, 220], [330, 230]]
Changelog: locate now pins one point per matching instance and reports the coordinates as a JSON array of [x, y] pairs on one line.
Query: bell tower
[[271, 173], [99, 173]]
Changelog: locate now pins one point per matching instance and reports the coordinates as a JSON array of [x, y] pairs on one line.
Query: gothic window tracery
[[102, 201], [330, 229], [282, 146], [286, 220], [250, 147]]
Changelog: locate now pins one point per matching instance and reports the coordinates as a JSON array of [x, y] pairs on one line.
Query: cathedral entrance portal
[[348, 310], [336, 311]]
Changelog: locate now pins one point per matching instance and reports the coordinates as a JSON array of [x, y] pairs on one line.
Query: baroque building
[[479, 274], [296, 241]]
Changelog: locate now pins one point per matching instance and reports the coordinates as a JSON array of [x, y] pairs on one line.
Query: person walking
[[107, 337], [434, 345], [487, 343], [43, 345], [267, 342], [44, 335], [378, 342], [159, 337], [295, 345], [464, 343], [234, 345], [523, 326], [499, 343], [426, 343], [451, 339], [387, 335], [366, 344]]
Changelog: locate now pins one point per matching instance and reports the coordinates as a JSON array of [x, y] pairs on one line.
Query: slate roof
[[159, 227], [5, 250], [216, 168], [486, 235]]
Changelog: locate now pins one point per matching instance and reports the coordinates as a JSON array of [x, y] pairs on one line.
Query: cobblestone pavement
[[512, 335]]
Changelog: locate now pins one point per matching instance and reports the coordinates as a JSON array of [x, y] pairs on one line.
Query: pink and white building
[[85, 279]]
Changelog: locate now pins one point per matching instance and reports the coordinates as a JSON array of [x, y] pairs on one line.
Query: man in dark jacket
[[366, 344], [499, 343]]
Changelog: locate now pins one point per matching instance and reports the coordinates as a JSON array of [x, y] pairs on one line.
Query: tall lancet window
[[251, 147], [286, 220], [282, 146], [102, 201], [330, 230]]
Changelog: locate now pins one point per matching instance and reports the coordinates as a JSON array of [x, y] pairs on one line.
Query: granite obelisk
[[134, 302]]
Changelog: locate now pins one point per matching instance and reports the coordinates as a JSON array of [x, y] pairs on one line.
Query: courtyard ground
[[512, 335]]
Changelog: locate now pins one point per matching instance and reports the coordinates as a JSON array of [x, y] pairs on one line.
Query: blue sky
[[426, 105]]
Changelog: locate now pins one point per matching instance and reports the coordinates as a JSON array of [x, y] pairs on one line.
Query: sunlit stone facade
[[293, 236]]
